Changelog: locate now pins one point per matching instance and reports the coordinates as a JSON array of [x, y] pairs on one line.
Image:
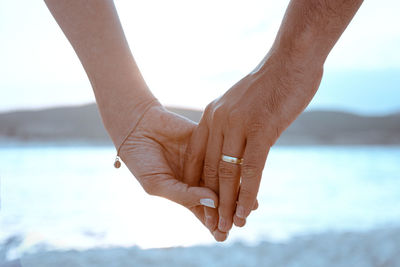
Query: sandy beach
[[379, 247]]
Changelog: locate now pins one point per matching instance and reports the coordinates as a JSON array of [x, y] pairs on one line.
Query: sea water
[[72, 197]]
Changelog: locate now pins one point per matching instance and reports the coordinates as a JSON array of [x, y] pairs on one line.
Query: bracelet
[[117, 162]]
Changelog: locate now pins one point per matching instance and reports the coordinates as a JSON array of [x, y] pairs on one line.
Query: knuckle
[[251, 171], [210, 172], [246, 194], [219, 113], [247, 198], [256, 128], [226, 172], [210, 108], [204, 119], [207, 114], [210, 177]]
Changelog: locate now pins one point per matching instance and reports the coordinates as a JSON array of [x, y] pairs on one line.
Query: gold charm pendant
[[117, 163]]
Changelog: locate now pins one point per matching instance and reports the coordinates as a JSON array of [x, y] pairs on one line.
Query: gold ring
[[230, 159]]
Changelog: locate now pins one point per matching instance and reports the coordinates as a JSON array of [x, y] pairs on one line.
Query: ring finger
[[229, 178]]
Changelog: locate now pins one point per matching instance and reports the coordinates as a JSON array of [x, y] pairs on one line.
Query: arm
[[248, 119], [309, 31], [94, 31]]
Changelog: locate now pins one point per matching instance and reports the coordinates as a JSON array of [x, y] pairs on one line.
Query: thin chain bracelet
[[117, 162]]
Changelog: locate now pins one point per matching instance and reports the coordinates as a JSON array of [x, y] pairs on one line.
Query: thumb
[[203, 196], [188, 196]]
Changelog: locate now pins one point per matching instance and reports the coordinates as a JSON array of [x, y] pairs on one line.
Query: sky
[[191, 52]]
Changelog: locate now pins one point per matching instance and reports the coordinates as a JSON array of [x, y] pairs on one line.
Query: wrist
[[286, 65], [121, 119], [300, 53]]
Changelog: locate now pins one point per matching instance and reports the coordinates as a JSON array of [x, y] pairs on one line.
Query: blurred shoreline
[[376, 247], [81, 125]]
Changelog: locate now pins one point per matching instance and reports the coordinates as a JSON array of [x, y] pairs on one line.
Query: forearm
[[310, 29], [94, 30]]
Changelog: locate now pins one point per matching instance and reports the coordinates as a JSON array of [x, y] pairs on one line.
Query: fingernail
[[240, 212], [208, 202], [208, 221], [220, 236], [221, 224]]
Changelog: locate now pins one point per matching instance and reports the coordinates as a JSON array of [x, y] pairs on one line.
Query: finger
[[193, 198], [198, 211], [211, 162], [193, 169], [255, 207], [220, 236], [210, 171], [194, 155], [254, 158], [229, 179], [240, 222], [181, 193]]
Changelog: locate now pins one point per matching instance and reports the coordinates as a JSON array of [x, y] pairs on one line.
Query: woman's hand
[[244, 123], [155, 152]]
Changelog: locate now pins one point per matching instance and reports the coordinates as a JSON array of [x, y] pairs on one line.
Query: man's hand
[[155, 151], [244, 123], [247, 120]]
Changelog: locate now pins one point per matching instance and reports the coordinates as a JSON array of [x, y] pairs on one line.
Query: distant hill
[[340, 128], [83, 124]]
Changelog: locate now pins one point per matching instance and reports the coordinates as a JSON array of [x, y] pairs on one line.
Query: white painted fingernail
[[208, 202]]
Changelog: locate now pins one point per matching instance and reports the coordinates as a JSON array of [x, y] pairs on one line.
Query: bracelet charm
[[117, 162]]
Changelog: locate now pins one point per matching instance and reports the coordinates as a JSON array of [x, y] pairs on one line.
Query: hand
[[155, 151], [244, 123]]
